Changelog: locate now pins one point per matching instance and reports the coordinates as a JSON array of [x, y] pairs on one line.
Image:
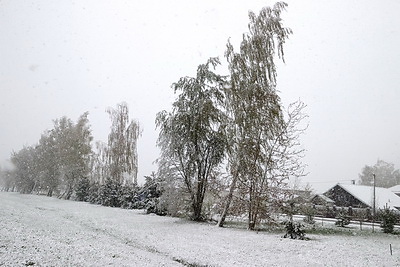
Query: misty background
[[62, 58]]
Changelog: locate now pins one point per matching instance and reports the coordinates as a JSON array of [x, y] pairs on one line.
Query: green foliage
[[388, 220], [110, 193], [264, 141], [191, 136], [58, 161], [72, 150], [174, 199], [113, 194], [94, 193], [82, 190], [26, 170], [129, 198], [151, 193], [294, 230]]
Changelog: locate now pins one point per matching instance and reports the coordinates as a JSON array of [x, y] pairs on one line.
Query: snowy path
[[42, 231]]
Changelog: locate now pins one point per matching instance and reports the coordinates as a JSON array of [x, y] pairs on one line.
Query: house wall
[[317, 200], [344, 199]]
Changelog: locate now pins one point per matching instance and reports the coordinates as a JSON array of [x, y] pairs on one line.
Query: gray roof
[[395, 189]]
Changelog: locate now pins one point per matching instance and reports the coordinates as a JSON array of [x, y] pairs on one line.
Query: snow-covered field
[[42, 231]]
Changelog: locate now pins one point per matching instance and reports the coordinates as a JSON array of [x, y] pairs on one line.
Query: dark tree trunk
[[197, 207], [228, 202], [70, 190]]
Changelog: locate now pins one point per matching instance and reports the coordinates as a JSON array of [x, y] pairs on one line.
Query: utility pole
[[373, 208]]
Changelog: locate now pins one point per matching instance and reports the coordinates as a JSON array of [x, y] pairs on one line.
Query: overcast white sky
[[66, 57]]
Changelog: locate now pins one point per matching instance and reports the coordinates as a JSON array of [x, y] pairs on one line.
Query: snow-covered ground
[[42, 231]]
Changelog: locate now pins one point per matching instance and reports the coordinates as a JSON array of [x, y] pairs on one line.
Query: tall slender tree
[[73, 150], [256, 121], [48, 161], [191, 137], [122, 157]]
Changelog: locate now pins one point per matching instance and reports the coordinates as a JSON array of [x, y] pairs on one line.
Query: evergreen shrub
[[388, 220], [82, 189], [294, 230]]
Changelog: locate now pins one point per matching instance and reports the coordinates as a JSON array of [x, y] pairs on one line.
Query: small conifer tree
[[389, 219], [82, 189]]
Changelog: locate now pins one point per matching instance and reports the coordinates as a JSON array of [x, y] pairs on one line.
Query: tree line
[[64, 157], [228, 144]]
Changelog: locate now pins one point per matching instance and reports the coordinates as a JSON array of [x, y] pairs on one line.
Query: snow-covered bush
[[82, 189], [173, 198], [294, 230], [94, 193], [388, 220], [128, 196], [110, 193]]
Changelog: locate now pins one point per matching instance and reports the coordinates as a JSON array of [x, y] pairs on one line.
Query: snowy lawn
[[42, 231]]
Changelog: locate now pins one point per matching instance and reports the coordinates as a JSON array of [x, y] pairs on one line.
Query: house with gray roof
[[361, 196]]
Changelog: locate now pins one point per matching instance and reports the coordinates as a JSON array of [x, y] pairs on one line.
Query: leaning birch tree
[[257, 127]]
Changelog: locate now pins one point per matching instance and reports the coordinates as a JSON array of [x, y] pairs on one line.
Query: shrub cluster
[[114, 194]]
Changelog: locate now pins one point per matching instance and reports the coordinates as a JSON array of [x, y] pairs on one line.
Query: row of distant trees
[[228, 145], [64, 156]]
